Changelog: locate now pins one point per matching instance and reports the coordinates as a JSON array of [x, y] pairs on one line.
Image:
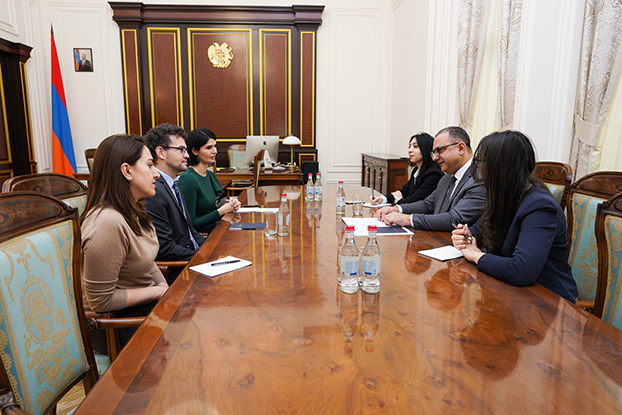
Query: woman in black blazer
[[424, 176]]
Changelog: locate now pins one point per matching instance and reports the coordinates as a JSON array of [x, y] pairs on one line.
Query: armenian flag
[[63, 158]]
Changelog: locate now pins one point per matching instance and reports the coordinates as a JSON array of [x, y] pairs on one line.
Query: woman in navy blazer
[[424, 176], [521, 237]]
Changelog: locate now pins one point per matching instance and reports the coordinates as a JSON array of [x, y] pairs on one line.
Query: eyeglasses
[[183, 150], [439, 150]]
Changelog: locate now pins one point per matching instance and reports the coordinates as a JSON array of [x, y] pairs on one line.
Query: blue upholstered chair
[[237, 156], [44, 345], [65, 188], [609, 239], [583, 199], [557, 177]]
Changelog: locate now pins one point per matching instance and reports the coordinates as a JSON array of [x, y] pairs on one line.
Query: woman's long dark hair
[[109, 188], [425, 142], [506, 161]]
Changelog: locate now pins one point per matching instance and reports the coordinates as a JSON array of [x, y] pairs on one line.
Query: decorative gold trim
[[312, 86], [10, 171], [249, 77], [127, 100], [26, 99], [176, 32], [305, 154], [262, 104], [6, 121]]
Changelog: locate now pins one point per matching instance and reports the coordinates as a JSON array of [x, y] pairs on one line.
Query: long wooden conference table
[[279, 337]]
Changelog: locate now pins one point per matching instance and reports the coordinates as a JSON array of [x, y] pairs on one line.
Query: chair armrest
[[586, 305], [172, 264], [8, 406], [114, 323]]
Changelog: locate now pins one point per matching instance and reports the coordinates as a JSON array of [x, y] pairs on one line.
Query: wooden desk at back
[[279, 337], [266, 177]]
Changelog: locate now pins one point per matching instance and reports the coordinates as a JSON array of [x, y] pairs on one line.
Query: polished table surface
[[279, 337]]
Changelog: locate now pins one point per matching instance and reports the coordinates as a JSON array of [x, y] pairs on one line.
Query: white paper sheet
[[256, 209], [444, 253], [369, 205], [361, 224], [212, 271]]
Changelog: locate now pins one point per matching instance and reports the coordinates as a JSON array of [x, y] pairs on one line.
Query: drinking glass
[[270, 218], [357, 205]]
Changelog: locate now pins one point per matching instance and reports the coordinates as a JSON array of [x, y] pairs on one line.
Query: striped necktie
[[181, 205], [450, 189]]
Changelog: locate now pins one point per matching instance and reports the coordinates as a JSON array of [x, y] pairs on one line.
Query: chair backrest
[[257, 164], [89, 154], [237, 155], [45, 347], [65, 188], [557, 177], [583, 199], [609, 239]]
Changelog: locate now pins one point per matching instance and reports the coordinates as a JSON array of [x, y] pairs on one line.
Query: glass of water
[[270, 230], [357, 205]]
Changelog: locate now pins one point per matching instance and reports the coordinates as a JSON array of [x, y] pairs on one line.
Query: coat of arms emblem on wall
[[220, 55]]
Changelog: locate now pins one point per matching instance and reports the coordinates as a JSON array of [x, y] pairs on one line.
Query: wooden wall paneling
[[179, 85], [5, 175], [5, 142], [28, 124], [221, 98], [131, 81], [302, 157], [165, 76], [275, 85], [307, 89]]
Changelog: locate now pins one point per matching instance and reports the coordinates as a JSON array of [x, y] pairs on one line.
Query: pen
[[372, 193], [225, 262], [456, 227]]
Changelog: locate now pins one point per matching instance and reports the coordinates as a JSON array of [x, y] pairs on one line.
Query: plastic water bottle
[[282, 217], [318, 188], [370, 280], [318, 214], [349, 261], [310, 212], [310, 189], [341, 199]]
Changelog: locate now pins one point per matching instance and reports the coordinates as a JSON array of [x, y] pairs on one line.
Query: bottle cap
[[372, 228], [349, 228], [340, 181], [283, 194]]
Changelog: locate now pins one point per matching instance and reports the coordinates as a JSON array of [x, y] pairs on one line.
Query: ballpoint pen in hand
[[213, 264]]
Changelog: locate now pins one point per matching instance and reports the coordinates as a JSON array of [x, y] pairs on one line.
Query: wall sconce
[[291, 141]]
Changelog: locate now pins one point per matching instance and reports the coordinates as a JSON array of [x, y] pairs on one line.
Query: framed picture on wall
[[83, 59]]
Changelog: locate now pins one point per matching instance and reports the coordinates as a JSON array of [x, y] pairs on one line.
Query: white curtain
[[472, 19], [599, 74], [510, 21]]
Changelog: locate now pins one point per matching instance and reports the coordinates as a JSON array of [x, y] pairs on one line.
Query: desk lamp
[[291, 141]]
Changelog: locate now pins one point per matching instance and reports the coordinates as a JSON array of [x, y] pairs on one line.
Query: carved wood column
[[16, 150]]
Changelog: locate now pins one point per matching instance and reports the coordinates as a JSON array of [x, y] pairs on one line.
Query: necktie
[[445, 205], [178, 194], [181, 204]]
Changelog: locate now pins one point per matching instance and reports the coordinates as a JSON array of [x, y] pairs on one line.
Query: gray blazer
[[466, 205]]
